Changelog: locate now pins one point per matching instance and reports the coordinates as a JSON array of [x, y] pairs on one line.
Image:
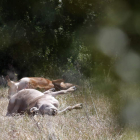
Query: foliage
[[39, 35]]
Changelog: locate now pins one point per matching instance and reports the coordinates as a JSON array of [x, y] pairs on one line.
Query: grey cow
[[31, 101]]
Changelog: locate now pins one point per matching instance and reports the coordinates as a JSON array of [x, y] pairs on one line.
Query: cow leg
[[16, 105], [63, 91], [13, 111], [48, 91], [69, 108]]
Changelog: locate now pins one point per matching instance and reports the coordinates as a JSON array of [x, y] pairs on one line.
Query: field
[[94, 122]]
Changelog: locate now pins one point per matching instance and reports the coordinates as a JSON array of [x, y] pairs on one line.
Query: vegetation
[[93, 43], [40, 36]]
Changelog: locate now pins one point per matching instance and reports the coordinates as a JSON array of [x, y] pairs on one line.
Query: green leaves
[[44, 33]]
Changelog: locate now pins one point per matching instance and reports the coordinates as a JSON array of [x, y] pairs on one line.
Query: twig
[[36, 124], [52, 135]]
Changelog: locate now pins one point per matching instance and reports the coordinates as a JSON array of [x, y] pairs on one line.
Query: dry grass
[[94, 122]]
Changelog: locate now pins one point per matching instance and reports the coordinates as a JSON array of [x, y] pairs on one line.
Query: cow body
[[31, 100], [34, 83]]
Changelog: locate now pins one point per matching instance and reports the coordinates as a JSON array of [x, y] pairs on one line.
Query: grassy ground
[[94, 122]]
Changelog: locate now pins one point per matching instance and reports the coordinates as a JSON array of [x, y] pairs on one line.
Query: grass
[[95, 121]]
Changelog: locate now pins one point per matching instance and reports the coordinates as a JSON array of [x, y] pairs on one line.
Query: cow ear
[[7, 78]]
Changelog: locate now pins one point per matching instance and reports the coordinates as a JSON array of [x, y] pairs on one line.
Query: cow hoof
[[81, 105], [71, 89], [52, 89], [54, 112], [34, 109], [74, 88], [78, 106]]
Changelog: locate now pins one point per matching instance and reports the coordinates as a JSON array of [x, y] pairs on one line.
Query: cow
[[34, 83], [33, 101]]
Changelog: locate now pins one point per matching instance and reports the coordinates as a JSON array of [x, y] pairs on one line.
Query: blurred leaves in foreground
[[119, 36]]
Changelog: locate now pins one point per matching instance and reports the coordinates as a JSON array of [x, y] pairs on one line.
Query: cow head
[[60, 85], [13, 86], [45, 109]]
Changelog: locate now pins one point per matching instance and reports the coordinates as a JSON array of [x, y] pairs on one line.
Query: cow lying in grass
[[34, 83], [31, 101]]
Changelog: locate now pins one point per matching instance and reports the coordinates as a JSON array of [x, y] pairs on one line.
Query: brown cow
[[34, 83], [31, 100]]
